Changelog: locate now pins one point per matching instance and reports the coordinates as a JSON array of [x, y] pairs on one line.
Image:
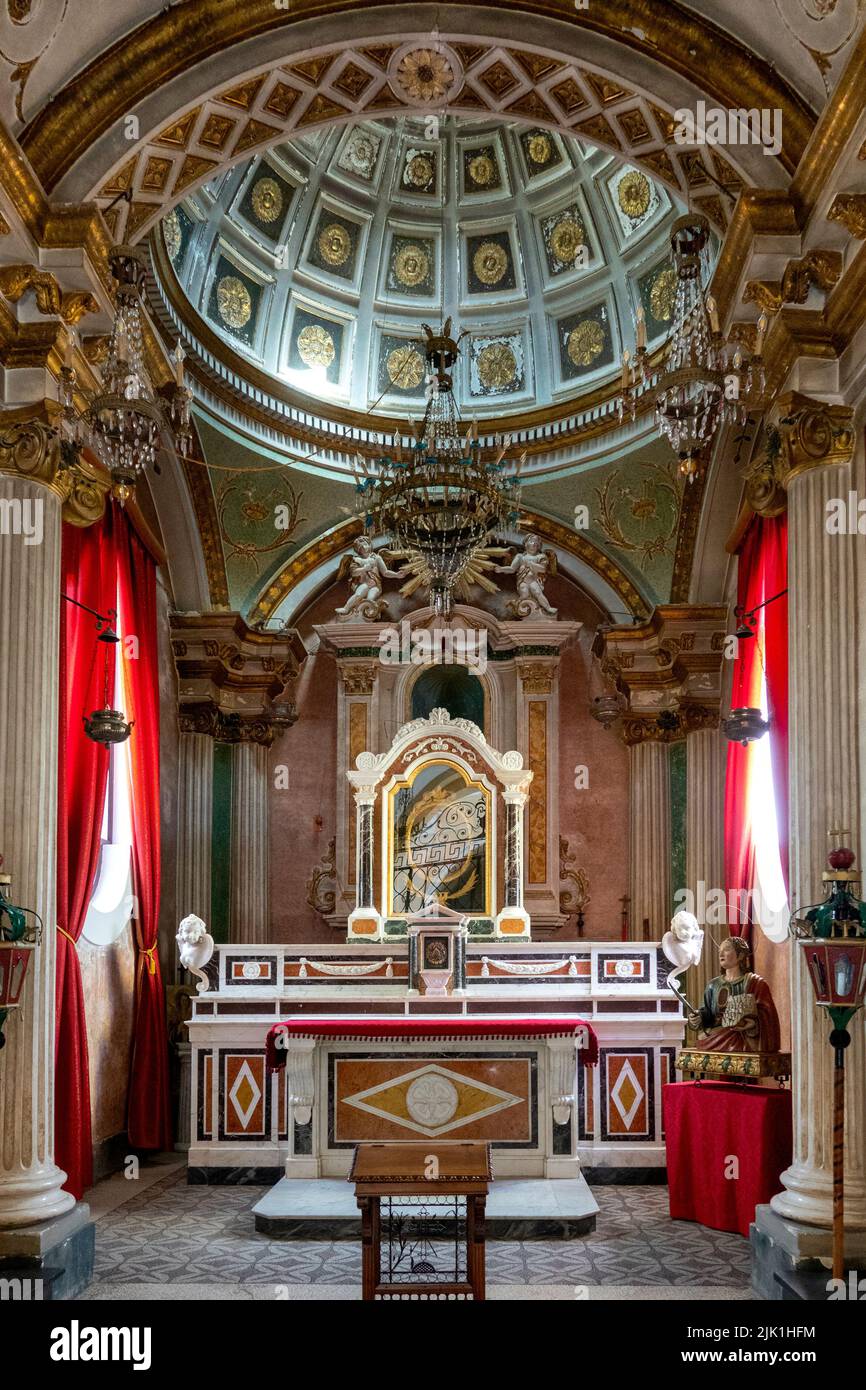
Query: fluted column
[[250, 919], [30, 1181], [194, 823], [705, 829], [823, 696], [649, 838]]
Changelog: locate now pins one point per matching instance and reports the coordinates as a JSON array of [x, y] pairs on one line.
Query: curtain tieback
[[68, 937], [151, 962]]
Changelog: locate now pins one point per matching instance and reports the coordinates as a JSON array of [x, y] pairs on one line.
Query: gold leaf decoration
[[405, 367], [267, 200], [316, 346], [335, 244], [540, 147], [420, 170], [634, 193], [663, 294], [566, 240], [233, 301], [585, 342], [497, 366], [482, 170], [411, 264], [490, 263]]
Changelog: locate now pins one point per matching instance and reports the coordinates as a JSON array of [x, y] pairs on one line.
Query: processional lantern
[[832, 935], [17, 943]]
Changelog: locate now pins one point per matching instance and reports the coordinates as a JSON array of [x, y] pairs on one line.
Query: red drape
[[149, 1107], [88, 575], [762, 573], [774, 553]]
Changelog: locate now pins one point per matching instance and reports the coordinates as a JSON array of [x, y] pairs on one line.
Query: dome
[[319, 261]]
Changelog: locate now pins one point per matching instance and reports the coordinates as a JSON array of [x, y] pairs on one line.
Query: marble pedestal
[[50, 1260], [790, 1251]]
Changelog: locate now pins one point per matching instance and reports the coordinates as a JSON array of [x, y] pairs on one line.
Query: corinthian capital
[[32, 449]]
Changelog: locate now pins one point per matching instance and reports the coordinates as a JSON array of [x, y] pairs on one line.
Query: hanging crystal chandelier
[[440, 504], [123, 423], [699, 389]]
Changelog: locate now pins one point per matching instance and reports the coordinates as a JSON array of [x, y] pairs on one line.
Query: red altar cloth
[[431, 1028], [709, 1123]]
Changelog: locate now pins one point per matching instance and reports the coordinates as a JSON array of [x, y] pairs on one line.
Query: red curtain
[[149, 1105], [88, 575], [762, 573]]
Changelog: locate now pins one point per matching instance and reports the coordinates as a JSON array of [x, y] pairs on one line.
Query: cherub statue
[[533, 566], [195, 948], [682, 945], [365, 571]]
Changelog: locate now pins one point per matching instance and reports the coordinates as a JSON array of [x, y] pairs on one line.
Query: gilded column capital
[[231, 727], [359, 678], [537, 677], [812, 434], [666, 727], [32, 449], [695, 718]]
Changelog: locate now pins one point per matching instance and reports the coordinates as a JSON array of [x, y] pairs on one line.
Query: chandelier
[[440, 504], [699, 388], [123, 423]]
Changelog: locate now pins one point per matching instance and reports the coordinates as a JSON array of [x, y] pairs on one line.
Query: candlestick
[[713, 312], [626, 358], [763, 323], [69, 349], [179, 356], [641, 327]]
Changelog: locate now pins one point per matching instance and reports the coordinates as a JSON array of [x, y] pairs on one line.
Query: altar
[[438, 1017]]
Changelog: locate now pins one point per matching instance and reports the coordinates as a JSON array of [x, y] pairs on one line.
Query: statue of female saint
[[532, 566], [738, 1013]]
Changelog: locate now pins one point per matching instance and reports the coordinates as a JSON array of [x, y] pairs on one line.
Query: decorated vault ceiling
[[320, 261]]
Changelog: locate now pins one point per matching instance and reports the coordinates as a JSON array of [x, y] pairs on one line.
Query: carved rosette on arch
[[236, 683]]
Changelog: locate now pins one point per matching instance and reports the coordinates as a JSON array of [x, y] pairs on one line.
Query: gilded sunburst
[[634, 193], [316, 346], [490, 262], [233, 301], [663, 294], [267, 200], [335, 244], [585, 342], [411, 265], [566, 240], [497, 366], [405, 367]]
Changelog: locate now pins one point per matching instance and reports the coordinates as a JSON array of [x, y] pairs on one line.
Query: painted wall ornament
[[365, 571], [532, 566]]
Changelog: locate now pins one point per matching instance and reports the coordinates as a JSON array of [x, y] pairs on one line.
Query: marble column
[[250, 920], [513, 851], [825, 792], [364, 850], [30, 1182], [649, 838], [194, 821], [705, 831]]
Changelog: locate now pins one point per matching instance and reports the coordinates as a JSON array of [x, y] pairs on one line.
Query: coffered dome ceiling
[[319, 261]]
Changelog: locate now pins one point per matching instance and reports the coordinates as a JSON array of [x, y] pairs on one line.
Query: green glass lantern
[[17, 943], [832, 936]]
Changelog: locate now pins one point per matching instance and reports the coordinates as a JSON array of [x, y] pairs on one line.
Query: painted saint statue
[[738, 1013]]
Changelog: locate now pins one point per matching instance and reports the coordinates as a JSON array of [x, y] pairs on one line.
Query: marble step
[[517, 1209]]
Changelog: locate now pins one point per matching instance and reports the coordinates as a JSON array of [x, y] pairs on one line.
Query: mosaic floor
[[172, 1241]]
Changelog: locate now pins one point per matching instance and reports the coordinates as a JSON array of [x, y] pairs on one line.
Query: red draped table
[[708, 1125]]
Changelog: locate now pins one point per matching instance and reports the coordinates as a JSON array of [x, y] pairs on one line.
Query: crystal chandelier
[[442, 503], [699, 389], [123, 423]]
